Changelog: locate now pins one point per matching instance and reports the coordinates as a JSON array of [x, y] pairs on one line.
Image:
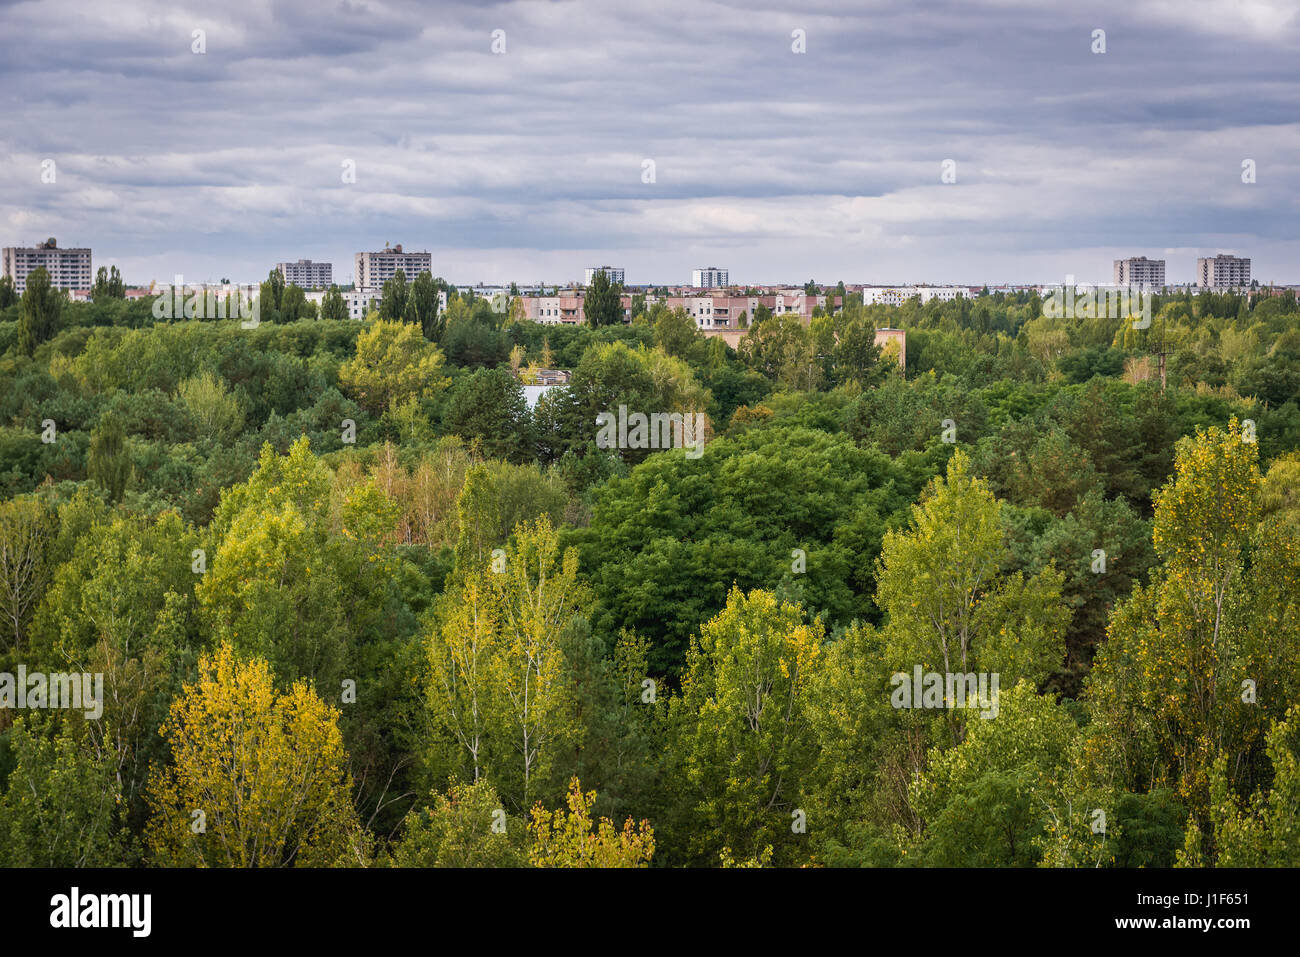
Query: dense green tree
[[676, 333], [271, 294], [109, 463], [395, 298], [62, 804], [989, 801], [39, 311], [949, 610], [742, 741], [27, 530], [686, 529], [332, 305], [487, 408], [602, 302], [466, 828], [393, 364], [422, 306], [293, 304]]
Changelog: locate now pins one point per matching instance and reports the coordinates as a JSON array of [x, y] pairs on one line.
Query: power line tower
[[1161, 355]]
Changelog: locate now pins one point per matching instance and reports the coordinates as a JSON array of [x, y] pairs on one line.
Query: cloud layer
[[782, 166]]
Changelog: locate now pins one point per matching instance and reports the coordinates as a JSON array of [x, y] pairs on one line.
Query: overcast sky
[[781, 166]]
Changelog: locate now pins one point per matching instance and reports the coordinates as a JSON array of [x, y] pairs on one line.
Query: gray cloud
[[783, 167]]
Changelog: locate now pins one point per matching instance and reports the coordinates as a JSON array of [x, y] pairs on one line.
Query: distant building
[[552, 376], [711, 277], [883, 296], [306, 274], [724, 312], [1223, 272], [372, 270], [708, 311], [554, 310], [942, 293], [359, 302], [544, 381], [891, 340], [68, 268], [897, 295], [1140, 271], [613, 273]]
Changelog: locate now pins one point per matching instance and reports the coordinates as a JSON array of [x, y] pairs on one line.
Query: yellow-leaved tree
[[257, 778], [573, 839]]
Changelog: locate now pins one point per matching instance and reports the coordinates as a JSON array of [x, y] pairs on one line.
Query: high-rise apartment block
[[1223, 272], [373, 269], [612, 273], [306, 274], [68, 268], [710, 277], [1140, 271]]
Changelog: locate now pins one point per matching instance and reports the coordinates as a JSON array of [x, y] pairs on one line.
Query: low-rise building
[[359, 302], [897, 295]]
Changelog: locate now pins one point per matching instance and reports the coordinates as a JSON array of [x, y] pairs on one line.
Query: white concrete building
[[306, 274], [710, 277], [68, 268], [942, 293], [1140, 271], [1223, 272], [884, 296], [372, 270], [360, 302], [700, 308], [613, 273], [897, 295]]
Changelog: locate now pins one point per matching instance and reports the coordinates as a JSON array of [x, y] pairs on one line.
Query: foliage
[[257, 779]]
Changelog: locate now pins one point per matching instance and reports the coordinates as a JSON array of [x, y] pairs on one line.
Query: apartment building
[[1140, 271], [1222, 272], [306, 274], [709, 312], [359, 301], [372, 270], [554, 310], [613, 273], [942, 293], [68, 268], [710, 277], [897, 295], [724, 312]]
